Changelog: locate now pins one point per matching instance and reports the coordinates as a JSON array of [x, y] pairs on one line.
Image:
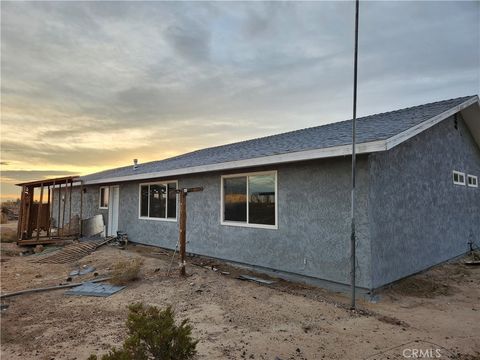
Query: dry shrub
[[154, 334], [126, 271]]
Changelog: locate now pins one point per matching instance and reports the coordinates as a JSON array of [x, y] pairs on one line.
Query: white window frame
[[458, 173], [166, 182], [247, 224], [107, 188], [469, 176]]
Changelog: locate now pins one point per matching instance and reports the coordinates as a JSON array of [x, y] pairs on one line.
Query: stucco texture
[[419, 218], [313, 232]]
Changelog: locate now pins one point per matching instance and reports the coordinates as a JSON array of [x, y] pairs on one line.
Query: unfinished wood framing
[[37, 216]]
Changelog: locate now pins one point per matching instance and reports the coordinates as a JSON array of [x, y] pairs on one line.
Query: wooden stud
[[51, 210], [39, 211], [28, 204], [70, 208], [21, 215], [59, 207], [81, 207], [48, 202], [182, 231], [64, 202]]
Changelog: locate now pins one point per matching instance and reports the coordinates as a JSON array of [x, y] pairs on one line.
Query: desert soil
[[235, 319]]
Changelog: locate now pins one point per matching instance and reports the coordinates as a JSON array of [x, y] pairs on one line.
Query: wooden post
[[59, 207], [49, 204], [64, 202], [21, 215], [28, 210], [182, 240], [51, 210], [39, 212], [70, 208], [182, 226], [81, 207]]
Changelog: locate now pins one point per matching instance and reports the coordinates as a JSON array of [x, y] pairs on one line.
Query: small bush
[[126, 271], [153, 334]]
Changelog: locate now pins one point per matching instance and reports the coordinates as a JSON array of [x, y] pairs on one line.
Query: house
[[282, 203]]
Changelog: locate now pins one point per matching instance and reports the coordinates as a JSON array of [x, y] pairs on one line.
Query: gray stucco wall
[[313, 233], [419, 218], [90, 203]]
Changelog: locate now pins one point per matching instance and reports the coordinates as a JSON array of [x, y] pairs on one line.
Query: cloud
[[92, 85]]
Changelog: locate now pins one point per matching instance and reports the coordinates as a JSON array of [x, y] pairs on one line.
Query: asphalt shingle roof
[[369, 128]]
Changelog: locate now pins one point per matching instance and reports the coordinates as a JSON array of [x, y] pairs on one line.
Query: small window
[[472, 181], [250, 200], [104, 197], [458, 178], [158, 201]]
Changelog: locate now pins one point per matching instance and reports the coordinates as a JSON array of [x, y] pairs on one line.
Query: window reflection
[[235, 199], [261, 199]]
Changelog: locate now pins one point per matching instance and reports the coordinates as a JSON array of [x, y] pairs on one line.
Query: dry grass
[[126, 271], [8, 235]]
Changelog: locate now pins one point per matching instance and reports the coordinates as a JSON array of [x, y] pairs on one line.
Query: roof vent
[[135, 164]]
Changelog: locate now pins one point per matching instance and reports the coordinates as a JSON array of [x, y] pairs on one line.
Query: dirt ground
[[234, 319]]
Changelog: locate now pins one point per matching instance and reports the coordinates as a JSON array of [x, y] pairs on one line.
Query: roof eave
[[334, 151], [415, 130]]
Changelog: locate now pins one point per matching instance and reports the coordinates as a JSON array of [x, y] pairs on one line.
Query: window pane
[[261, 205], [104, 197], [172, 201], [157, 201], [235, 199], [144, 200]]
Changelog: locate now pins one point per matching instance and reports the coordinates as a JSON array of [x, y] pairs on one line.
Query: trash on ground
[[256, 279], [73, 252], [61, 286], [93, 226], [472, 262], [79, 272], [95, 289]]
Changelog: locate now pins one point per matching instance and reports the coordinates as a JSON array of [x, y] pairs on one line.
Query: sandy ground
[[233, 319]]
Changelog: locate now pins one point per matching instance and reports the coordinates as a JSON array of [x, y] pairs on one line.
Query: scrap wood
[[472, 262], [256, 279], [29, 291], [73, 252]]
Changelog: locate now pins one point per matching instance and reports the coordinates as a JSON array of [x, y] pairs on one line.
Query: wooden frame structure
[[37, 216]]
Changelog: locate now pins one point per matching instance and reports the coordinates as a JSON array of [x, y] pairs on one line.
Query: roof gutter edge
[[334, 151]]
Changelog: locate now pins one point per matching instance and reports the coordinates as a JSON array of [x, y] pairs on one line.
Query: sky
[[87, 86]]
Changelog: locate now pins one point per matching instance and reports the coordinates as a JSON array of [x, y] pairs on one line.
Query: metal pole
[[353, 235]]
